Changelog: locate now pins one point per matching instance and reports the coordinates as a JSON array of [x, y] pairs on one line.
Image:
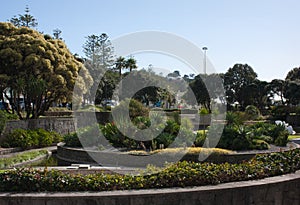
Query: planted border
[[181, 174]]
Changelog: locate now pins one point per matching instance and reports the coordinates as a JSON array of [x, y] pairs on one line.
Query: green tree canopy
[[99, 50], [43, 71], [236, 80], [276, 89], [24, 20], [293, 75], [292, 87], [199, 89]]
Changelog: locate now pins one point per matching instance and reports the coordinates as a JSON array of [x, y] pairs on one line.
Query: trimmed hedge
[[27, 139], [180, 174]]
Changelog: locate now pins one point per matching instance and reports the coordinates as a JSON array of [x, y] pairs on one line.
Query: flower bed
[[180, 174]]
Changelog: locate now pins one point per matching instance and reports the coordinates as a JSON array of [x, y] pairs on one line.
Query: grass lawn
[[293, 137], [19, 158]]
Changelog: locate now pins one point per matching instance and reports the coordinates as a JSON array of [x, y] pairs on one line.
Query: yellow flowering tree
[[39, 69]]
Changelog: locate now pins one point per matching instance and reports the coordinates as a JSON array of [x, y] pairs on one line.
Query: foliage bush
[[136, 108], [88, 136], [142, 122], [27, 139], [280, 112], [233, 118], [175, 116], [260, 144], [239, 136], [200, 138], [186, 123], [203, 111], [72, 140], [252, 112], [20, 138], [117, 138], [180, 174], [256, 136]]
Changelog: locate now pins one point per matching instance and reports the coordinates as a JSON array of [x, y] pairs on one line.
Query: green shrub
[[45, 138], [260, 144], [239, 137], [172, 127], [185, 137], [265, 138], [165, 138], [30, 138], [252, 112], [233, 118], [280, 112], [19, 138], [72, 140], [136, 108], [56, 137], [282, 138], [89, 136], [34, 136], [142, 122], [200, 138], [180, 174], [116, 138], [240, 143], [203, 111], [175, 116], [186, 123], [227, 137]]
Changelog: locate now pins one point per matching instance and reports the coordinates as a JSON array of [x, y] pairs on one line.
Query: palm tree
[[131, 64], [120, 64]]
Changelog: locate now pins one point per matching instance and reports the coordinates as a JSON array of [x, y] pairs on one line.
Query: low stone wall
[[60, 125], [67, 156], [281, 190]]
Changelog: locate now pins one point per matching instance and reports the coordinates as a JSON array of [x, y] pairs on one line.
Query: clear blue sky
[[263, 33]]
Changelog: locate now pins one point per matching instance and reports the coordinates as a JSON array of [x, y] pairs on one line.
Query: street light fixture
[[204, 60]]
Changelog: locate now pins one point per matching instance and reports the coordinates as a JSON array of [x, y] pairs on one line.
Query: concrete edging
[[279, 190]]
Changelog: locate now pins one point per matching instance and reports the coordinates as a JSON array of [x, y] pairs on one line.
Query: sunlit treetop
[[27, 55], [24, 20]]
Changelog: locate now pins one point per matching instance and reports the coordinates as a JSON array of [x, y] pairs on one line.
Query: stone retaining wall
[[65, 125], [67, 156], [60, 125], [281, 190]]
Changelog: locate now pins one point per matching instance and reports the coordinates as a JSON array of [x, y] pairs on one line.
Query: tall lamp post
[[204, 60]]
